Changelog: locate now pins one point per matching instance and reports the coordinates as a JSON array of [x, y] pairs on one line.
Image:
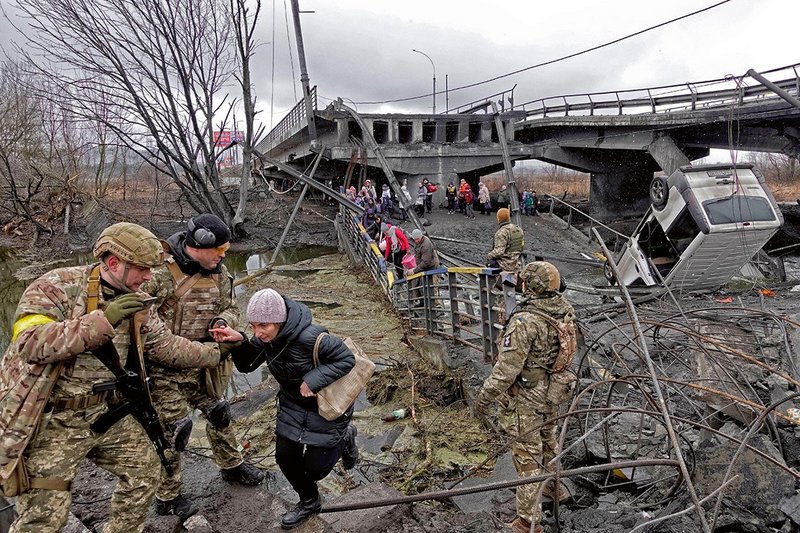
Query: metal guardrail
[[571, 210], [295, 120], [665, 98], [456, 303], [483, 104]]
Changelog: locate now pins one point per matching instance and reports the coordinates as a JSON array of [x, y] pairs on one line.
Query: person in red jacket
[[395, 246]]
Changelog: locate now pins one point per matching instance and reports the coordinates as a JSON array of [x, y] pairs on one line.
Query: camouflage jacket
[[528, 343], [54, 358], [509, 242], [190, 313]]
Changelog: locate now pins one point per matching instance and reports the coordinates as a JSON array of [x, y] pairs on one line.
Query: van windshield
[[738, 209]]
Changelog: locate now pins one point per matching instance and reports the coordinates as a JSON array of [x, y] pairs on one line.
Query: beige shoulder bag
[[337, 397]]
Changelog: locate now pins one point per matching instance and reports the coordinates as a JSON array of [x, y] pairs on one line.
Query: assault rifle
[[133, 387]]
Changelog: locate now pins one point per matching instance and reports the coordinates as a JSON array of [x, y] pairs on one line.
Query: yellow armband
[[28, 321]]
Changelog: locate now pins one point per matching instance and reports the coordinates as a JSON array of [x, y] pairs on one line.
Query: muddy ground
[[430, 451]]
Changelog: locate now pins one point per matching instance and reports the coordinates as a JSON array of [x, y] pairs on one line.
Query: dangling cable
[[272, 74]]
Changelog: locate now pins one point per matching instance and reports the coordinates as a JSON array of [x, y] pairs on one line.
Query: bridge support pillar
[[621, 188], [486, 132], [667, 154]]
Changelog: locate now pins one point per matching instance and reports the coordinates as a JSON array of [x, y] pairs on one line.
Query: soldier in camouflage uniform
[[509, 242], [47, 375], [520, 382], [194, 290]]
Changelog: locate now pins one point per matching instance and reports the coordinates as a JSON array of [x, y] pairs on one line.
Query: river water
[[239, 264]]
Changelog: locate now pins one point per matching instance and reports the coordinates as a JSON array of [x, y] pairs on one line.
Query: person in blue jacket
[[307, 446]]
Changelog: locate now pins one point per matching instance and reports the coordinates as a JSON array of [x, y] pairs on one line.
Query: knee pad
[[181, 431], [219, 415]]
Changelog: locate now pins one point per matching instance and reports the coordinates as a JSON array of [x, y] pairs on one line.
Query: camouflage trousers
[[535, 445], [174, 393], [58, 450]]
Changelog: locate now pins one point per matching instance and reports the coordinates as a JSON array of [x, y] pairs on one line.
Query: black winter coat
[[289, 357]]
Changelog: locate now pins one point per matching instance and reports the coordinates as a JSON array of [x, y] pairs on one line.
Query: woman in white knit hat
[[307, 446]]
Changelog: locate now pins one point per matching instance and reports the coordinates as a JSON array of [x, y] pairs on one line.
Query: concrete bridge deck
[[620, 137]]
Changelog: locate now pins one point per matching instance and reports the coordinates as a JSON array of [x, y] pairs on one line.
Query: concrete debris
[[760, 486], [198, 524], [791, 508], [482, 502], [377, 520]]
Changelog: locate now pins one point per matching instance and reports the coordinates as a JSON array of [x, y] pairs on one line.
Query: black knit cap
[[207, 231]]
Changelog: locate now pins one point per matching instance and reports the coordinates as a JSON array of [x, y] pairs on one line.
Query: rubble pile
[[729, 384]]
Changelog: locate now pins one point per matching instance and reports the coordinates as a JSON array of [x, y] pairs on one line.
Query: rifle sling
[[49, 483]]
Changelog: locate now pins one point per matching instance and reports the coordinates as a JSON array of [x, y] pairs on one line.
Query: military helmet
[[130, 242], [541, 277]]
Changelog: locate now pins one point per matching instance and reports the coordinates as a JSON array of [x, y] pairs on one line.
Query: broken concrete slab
[[778, 390], [791, 508], [198, 524], [383, 442], [375, 520], [434, 350], [761, 485], [485, 501]]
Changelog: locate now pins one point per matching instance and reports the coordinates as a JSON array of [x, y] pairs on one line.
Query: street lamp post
[[434, 76]]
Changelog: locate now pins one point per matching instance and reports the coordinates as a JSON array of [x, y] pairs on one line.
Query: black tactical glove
[[123, 307], [227, 348]]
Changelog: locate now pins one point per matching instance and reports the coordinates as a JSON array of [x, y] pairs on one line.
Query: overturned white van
[[705, 223]]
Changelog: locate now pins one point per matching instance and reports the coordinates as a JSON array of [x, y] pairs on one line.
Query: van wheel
[[607, 272], [659, 192]]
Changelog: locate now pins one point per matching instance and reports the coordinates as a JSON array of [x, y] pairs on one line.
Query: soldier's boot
[[179, 506], [301, 512], [244, 474], [549, 494], [350, 448], [520, 525]]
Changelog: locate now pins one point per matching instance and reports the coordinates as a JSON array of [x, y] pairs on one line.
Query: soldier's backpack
[[567, 340]]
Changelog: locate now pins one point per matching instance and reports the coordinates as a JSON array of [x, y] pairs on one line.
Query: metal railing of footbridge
[[731, 90], [575, 214], [457, 303], [295, 120]]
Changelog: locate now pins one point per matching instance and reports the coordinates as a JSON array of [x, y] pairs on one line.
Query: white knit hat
[[266, 307]]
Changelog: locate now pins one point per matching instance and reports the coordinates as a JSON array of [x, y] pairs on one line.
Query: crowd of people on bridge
[[459, 198]]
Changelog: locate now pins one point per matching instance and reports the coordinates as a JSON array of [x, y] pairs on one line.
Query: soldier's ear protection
[[202, 236]]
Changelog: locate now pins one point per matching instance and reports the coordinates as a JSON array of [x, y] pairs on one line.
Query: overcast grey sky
[[362, 49]]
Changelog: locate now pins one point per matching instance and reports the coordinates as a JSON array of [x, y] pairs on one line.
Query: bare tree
[[158, 66], [244, 25], [40, 155], [777, 167]]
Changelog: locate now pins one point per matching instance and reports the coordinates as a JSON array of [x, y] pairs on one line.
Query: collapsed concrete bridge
[[619, 137]]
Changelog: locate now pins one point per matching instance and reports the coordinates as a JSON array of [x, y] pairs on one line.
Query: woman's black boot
[[301, 512]]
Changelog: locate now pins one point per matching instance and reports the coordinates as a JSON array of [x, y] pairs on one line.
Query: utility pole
[[446, 95], [312, 128]]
